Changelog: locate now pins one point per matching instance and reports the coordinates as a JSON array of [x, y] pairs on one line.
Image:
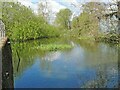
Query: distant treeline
[[93, 22], [22, 24]]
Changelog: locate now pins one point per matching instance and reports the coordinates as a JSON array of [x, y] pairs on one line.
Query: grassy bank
[[53, 47]]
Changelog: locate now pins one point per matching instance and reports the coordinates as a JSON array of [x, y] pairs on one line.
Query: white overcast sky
[[56, 5]]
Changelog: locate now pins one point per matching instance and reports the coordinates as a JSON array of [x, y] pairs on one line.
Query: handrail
[[2, 30]]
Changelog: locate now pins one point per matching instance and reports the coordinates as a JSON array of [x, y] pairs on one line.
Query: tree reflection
[[104, 78], [63, 64], [28, 53]]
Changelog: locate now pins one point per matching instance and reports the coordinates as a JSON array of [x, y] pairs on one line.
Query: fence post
[[2, 34], [0, 68]]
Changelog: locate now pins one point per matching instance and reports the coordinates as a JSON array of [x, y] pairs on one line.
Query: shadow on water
[[7, 67], [86, 65]]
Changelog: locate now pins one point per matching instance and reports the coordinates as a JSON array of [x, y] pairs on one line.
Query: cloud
[[73, 5], [55, 6], [25, 2], [30, 4], [33, 4]]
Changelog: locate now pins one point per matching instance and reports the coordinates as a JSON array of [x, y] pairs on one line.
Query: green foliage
[[110, 38], [95, 8], [0, 10], [85, 24], [22, 24], [63, 18], [53, 47]]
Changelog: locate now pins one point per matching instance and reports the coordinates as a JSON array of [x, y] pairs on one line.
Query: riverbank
[[31, 39], [108, 38]]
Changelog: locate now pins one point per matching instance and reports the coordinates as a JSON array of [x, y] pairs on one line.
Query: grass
[[53, 47], [86, 38]]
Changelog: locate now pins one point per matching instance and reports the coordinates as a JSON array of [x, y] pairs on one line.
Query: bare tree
[[114, 7], [45, 10]]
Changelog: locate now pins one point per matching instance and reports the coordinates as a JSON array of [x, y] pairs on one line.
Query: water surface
[[87, 64]]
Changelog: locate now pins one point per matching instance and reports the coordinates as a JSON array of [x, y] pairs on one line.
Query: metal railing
[[2, 30]]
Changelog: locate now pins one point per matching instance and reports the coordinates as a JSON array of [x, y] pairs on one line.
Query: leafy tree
[[0, 10], [63, 18], [85, 24], [75, 22], [95, 8], [22, 24]]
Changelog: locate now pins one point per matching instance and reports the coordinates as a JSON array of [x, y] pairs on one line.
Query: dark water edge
[[32, 39], [7, 66]]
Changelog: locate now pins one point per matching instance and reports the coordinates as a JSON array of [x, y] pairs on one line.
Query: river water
[[86, 65]]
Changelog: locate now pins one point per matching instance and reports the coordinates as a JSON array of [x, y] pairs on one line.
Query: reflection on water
[[87, 64], [52, 56]]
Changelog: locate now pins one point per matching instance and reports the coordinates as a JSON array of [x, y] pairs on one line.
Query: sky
[[56, 5]]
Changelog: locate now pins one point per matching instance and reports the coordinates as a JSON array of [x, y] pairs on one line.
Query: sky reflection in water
[[75, 68]]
